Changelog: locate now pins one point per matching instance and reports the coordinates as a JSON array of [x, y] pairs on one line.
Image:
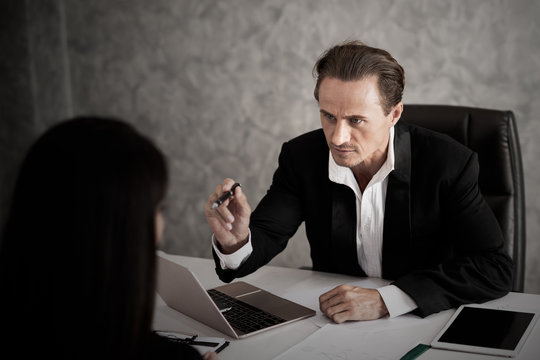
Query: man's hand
[[230, 221], [347, 302]]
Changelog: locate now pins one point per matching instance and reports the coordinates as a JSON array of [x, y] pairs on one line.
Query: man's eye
[[329, 117], [356, 121]]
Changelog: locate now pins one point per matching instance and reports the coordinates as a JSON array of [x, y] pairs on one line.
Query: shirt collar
[[344, 175]]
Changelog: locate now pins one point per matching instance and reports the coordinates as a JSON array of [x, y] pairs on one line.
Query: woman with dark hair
[[77, 260]]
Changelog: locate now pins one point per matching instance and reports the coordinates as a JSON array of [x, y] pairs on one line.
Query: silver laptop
[[237, 309]]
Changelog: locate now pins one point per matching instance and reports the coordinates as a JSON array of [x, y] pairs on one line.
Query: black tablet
[[485, 330]]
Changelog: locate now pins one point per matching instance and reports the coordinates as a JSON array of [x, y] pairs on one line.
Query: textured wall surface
[[219, 85]]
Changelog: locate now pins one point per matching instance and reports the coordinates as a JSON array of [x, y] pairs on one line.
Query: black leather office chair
[[493, 135]]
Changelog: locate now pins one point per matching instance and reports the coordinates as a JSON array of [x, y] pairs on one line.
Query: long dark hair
[[77, 261]]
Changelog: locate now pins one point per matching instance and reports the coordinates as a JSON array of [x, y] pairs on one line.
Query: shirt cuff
[[237, 258], [396, 300]]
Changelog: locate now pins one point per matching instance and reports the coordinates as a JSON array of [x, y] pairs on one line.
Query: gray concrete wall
[[220, 85]]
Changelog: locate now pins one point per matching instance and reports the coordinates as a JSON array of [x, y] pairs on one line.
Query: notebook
[[237, 309]]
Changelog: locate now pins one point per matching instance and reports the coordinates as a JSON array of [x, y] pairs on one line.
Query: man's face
[[354, 124]]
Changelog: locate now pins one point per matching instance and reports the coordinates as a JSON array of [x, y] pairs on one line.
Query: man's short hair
[[353, 60]]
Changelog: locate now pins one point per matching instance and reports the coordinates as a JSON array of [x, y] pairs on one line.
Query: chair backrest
[[493, 135]]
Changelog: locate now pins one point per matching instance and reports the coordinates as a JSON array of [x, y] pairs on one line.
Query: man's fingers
[[329, 302], [333, 309], [220, 217], [334, 302], [222, 221], [229, 220], [337, 291], [225, 214], [241, 199], [329, 294], [338, 312], [341, 317], [347, 302], [224, 187]]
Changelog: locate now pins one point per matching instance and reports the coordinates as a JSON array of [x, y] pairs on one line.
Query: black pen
[[220, 200]]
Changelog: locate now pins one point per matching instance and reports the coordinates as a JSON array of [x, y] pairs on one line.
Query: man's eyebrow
[[355, 117], [322, 111], [348, 117]]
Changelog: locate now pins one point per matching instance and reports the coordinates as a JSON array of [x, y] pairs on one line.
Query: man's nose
[[341, 134]]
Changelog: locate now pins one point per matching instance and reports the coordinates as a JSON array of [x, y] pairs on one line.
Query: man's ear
[[395, 113]]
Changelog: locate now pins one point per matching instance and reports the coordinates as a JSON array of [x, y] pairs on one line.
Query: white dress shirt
[[369, 233]]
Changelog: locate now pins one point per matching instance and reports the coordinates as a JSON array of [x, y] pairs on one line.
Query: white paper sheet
[[363, 340]]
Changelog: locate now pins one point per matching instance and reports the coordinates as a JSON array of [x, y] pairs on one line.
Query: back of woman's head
[[77, 256]]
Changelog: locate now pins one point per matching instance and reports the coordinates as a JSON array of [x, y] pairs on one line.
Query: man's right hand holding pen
[[229, 217]]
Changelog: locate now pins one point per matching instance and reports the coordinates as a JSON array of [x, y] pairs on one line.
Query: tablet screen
[[501, 329], [476, 328]]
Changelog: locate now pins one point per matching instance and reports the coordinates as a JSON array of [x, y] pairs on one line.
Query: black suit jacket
[[442, 245]]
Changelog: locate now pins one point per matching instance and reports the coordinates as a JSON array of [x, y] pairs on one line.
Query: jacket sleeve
[[274, 221], [477, 269]]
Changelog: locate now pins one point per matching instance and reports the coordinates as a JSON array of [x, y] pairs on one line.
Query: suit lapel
[[344, 220], [397, 228]]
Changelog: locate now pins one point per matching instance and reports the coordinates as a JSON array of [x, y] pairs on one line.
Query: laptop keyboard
[[243, 316]]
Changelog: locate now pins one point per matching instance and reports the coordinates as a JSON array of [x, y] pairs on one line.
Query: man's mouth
[[342, 150]]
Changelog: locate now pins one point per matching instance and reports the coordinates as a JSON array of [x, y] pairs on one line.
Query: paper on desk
[[337, 342]]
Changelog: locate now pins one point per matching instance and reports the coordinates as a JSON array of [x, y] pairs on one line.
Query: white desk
[[379, 339]]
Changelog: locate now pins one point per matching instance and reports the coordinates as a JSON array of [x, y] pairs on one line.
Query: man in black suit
[[379, 198]]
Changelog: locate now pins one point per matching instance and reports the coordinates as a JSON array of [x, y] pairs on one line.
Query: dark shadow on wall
[[16, 107], [32, 78]]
